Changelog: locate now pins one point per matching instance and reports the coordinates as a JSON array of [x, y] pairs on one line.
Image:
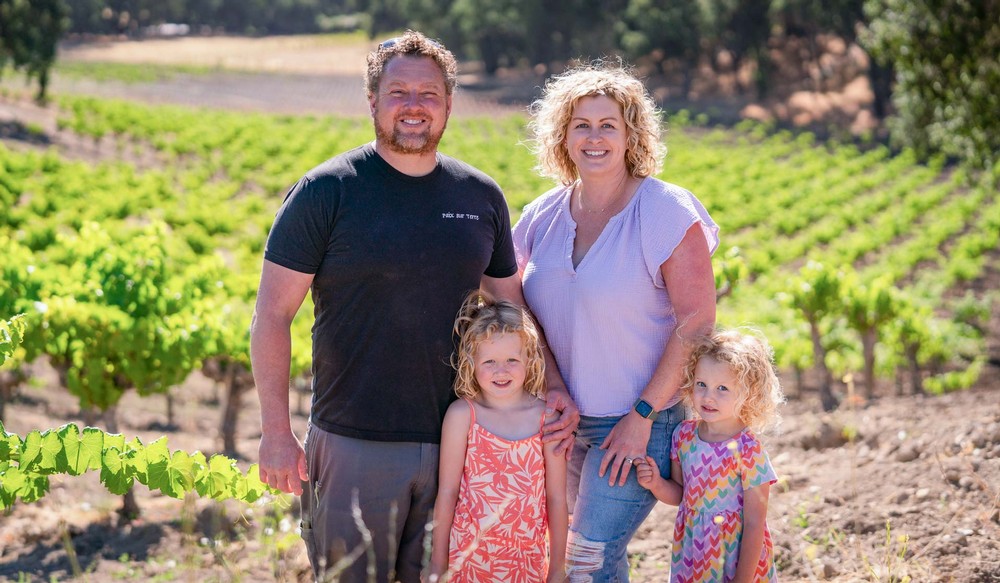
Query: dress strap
[[472, 407]]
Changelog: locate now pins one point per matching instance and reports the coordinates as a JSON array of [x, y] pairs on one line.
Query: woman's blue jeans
[[606, 517]]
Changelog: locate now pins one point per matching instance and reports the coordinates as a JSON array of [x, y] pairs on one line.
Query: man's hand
[[563, 427], [282, 462]]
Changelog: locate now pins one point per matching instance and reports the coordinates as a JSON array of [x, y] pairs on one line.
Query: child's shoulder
[[749, 442], [748, 436], [462, 408], [686, 429]]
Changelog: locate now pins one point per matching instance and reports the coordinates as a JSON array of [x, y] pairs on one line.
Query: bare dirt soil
[[898, 489]]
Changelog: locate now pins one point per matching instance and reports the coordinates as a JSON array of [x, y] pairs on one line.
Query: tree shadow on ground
[[15, 130], [105, 540]]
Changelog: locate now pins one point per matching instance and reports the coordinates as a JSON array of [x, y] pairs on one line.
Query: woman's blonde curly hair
[[751, 360], [483, 317], [551, 114]]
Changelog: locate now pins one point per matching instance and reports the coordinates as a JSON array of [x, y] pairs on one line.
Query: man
[[389, 237]]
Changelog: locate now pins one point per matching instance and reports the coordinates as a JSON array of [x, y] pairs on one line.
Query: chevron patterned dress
[[710, 518]]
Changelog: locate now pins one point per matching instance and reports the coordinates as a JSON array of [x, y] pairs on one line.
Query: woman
[[616, 266]]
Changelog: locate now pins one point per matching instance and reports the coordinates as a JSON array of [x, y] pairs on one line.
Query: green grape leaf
[[69, 437], [180, 475], [11, 480], [49, 451], [200, 462], [35, 486], [31, 451], [251, 489], [115, 440], [138, 460], [217, 481], [10, 445], [80, 455], [91, 450], [113, 472], [157, 466]]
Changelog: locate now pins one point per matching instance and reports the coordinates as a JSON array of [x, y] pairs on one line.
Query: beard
[[426, 142]]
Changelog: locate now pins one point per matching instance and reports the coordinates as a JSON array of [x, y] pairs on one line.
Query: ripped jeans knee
[[584, 558], [605, 517]]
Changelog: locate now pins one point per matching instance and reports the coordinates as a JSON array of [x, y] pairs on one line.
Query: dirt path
[[291, 75]]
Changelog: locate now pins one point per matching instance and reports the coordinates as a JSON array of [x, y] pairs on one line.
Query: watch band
[[644, 409]]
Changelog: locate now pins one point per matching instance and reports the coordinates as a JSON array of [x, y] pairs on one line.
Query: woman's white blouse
[[607, 321]]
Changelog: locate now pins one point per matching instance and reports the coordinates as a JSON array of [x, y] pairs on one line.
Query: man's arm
[[281, 458], [563, 428]]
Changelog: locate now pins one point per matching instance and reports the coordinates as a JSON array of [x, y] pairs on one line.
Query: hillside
[[877, 490]]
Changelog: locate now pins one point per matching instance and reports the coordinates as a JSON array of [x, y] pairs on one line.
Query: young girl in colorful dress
[[720, 474], [501, 512]]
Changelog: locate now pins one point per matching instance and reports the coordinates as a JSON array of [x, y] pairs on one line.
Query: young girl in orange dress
[[501, 512], [720, 474]]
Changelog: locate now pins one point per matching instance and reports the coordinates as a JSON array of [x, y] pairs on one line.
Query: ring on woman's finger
[[628, 461]]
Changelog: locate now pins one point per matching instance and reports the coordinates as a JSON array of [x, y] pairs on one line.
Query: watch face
[[644, 408]]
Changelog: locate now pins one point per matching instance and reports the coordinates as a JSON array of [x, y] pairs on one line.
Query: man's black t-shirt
[[393, 257]]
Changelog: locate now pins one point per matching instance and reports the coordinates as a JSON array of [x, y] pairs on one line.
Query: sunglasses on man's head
[[387, 44]]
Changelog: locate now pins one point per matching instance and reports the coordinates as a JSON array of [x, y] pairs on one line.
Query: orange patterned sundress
[[501, 523]]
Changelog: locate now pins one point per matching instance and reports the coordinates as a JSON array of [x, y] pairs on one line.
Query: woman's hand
[[625, 443]]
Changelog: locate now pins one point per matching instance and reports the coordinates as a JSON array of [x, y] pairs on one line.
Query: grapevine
[[134, 275], [27, 463]]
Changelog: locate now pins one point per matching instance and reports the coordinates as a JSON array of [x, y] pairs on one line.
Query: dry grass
[[308, 54]]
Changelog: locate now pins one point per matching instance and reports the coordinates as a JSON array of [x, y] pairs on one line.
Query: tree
[[123, 315], [815, 293], [21, 284], [947, 91], [870, 308], [730, 271], [29, 33], [670, 29], [741, 28], [11, 334], [493, 29]]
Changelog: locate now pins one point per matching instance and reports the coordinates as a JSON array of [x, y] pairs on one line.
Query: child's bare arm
[[752, 541], [454, 441], [666, 491], [558, 511]]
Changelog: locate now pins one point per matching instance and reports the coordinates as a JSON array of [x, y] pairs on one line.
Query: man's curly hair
[[410, 43]]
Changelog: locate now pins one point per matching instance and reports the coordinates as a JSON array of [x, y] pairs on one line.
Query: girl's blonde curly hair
[[483, 317], [551, 114], [751, 360]]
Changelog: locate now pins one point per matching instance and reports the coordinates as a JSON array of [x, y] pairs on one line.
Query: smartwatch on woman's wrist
[[646, 410]]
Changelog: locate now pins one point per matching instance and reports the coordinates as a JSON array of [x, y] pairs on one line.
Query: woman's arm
[[561, 429], [690, 285], [454, 441], [558, 511], [752, 542]]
